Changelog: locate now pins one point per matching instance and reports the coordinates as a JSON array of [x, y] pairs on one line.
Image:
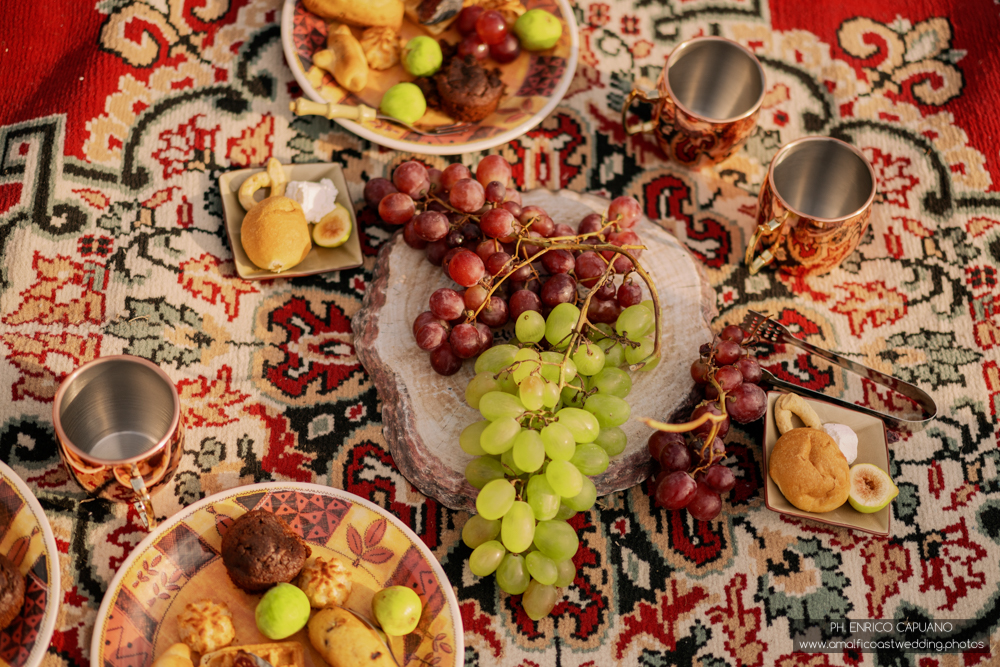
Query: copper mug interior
[[814, 207], [118, 423], [706, 103]]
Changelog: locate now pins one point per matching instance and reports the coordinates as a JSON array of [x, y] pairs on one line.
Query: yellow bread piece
[[810, 470], [344, 58], [345, 641], [178, 655], [279, 654], [275, 234], [363, 13]]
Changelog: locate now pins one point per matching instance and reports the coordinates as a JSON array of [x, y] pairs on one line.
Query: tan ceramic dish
[[319, 260], [873, 447]]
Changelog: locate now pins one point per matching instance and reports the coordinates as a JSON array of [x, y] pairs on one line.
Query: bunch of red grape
[[692, 472], [476, 229], [485, 33]]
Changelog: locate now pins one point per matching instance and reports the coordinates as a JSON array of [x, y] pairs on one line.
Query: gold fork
[[362, 113]]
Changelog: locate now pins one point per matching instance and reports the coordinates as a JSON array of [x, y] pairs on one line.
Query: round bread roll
[[275, 234], [810, 470]]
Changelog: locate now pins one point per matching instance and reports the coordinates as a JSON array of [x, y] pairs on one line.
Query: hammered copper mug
[[813, 208], [120, 431], [706, 103]]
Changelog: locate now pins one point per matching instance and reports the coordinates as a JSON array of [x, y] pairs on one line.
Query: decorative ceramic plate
[[26, 539], [179, 563], [536, 83], [319, 260], [873, 447]]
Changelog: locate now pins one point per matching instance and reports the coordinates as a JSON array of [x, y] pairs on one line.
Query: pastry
[[325, 582], [260, 550], [344, 59], [381, 46], [206, 626], [467, 91], [11, 592], [345, 641], [178, 655], [788, 404], [275, 234], [810, 470], [362, 13], [279, 654]]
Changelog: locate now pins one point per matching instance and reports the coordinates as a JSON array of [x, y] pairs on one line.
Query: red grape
[[749, 369], [495, 192], [523, 300], [562, 229], [497, 223], [717, 452], [491, 27], [444, 360], [660, 439], [446, 261], [493, 168], [513, 207], [474, 46], [452, 174], [720, 478], [431, 336], [436, 252], [466, 268], [411, 178], [425, 318], [733, 333], [712, 407], [603, 311], [654, 481], [558, 261], [530, 249], [465, 340], [455, 238], [589, 267], [376, 190], [487, 248], [699, 371], [466, 21], [396, 208], [675, 456], [474, 296], [706, 503], [495, 314], [485, 337], [513, 196], [435, 176], [606, 291], [728, 377], [560, 288], [629, 294], [746, 403], [446, 303], [431, 225], [497, 263], [412, 238], [675, 490], [628, 208], [590, 224], [507, 49], [726, 352], [467, 195]]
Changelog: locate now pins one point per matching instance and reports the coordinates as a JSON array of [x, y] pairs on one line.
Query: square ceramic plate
[[319, 260], [873, 447]]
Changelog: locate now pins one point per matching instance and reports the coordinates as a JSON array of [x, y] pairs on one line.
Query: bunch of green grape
[[537, 445]]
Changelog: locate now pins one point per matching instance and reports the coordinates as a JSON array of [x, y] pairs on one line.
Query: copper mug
[[120, 431], [706, 103], [814, 207]]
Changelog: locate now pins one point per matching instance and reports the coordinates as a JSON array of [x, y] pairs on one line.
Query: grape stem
[[574, 342]]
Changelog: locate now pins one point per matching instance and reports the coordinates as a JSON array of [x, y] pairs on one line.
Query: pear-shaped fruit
[[871, 488], [333, 229]]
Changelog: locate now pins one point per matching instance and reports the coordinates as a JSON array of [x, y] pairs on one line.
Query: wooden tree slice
[[423, 413]]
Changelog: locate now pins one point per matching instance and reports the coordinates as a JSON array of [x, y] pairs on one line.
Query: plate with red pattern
[[26, 539], [535, 84], [179, 563]]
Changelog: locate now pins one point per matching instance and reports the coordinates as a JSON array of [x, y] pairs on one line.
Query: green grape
[[567, 573], [529, 450], [530, 327], [612, 440], [590, 459], [572, 397], [518, 528], [565, 478], [634, 321], [496, 359], [648, 305], [481, 384], [556, 539], [551, 372], [496, 404], [634, 355], [507, 384], [527, 362], [614, 353], [512, 575], [482, 470], [495, 499], [531, 390], [584, 500], [565, 513], [539, 600], [598, 332], [550, 394], [542, 568], [478, 530], [612, 381], [509, 466], [560, 324], [542, 497], [486, 558], [609, 410], [499, 436], [559, 442], [589, 359], [469, 439], [580, 423]]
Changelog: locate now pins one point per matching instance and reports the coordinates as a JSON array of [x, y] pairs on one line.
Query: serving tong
[[768, 330], [362, 113]]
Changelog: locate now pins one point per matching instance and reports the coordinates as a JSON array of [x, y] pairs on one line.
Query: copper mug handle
[[647, 98], [142, 502], [766, 257]]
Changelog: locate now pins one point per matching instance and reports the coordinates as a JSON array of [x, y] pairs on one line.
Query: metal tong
[[769, 330]]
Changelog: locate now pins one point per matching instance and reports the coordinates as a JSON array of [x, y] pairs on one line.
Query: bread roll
[[364, 13], [344, 641], [810, 470], [275, 234]]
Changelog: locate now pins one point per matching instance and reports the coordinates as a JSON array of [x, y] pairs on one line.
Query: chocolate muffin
[[468, 92], [259, 550], [11, 592]]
